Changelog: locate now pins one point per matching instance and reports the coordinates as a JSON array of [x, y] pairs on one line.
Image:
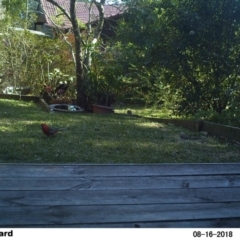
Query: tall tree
[[194, 44], [83, 61], [18, 13], [14, 6], [201, 50]]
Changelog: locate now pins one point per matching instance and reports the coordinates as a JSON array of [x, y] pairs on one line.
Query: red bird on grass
[[50, 131]]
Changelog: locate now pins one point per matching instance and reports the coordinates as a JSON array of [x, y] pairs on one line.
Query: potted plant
[[99, 97], [102, 108]]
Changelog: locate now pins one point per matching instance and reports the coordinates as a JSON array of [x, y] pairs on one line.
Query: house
[[48, 16]]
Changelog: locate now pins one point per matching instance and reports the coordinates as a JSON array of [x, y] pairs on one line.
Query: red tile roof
[[82, 11]]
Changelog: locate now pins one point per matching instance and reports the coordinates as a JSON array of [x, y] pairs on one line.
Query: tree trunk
[[81, 64], [78, 55]]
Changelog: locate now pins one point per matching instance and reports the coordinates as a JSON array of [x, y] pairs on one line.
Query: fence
[[229, 132]]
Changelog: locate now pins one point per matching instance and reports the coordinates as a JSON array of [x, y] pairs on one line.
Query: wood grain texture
[[158, 195], [27, 215], [107, 183], [39, 170], [118, 197], [210, 223]]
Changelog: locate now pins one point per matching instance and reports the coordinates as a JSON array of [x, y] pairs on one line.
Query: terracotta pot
[[101, 109]]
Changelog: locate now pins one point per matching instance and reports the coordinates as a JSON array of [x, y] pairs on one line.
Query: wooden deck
[[159, 195]]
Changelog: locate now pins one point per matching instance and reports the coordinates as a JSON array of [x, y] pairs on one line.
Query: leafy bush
[[194, 48], [28, 60]]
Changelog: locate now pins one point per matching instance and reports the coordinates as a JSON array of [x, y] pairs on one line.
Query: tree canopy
[[194, 45], [181, 53]]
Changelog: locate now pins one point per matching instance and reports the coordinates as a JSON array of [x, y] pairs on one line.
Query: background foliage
[[183, 55], [189, 49]]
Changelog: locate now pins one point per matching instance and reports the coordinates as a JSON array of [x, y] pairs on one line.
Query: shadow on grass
[[92, 138]]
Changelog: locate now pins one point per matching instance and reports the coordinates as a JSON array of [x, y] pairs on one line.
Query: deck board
[[116, 213], [158, 195], [111, 197], [107, 183], [74, 170]]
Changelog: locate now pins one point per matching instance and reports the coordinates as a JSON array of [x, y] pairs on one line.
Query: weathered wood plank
[[107, 183], [209, 223], [34, 170], [229, 132], [126, 196], [158, 195], [60, 215]]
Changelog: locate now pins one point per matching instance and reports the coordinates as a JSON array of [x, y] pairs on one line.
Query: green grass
[[94, 138], [145, 111]]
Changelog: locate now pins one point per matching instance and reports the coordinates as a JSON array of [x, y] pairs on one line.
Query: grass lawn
[[145, 111], [94, 138]]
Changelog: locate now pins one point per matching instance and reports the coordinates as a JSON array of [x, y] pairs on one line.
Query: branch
[[63, 35], [73, 19], [65, 39], [61, 8], [89, 26], [100, 7]]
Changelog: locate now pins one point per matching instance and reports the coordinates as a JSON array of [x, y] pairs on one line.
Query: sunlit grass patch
[[144, 111], [93, 138]]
